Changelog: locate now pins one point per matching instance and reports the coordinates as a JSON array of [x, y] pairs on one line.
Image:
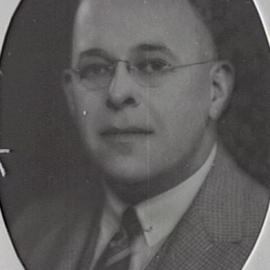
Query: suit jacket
[[218, 231]]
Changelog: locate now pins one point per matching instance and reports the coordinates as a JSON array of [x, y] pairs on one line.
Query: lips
[[128, 131]]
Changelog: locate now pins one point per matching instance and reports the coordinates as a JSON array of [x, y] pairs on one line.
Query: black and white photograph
[[135, 135]]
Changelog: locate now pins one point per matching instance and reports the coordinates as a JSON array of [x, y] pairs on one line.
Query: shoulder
[[256, 201], [241, 195], [57, 222]]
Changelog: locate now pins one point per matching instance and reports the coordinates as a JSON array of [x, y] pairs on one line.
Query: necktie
[[117, 254]]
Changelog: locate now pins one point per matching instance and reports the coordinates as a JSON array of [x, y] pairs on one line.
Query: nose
[[122, 92]]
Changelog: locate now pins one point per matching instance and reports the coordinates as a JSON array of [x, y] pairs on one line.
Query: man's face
[[138, 128]]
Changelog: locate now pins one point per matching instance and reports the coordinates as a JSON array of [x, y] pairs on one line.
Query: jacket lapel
[[210, 235]]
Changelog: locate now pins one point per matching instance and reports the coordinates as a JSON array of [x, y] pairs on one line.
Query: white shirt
[[158, 217]]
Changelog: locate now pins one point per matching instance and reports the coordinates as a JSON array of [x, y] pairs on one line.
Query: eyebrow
[[154, 47], [94, 52], [141, 48]]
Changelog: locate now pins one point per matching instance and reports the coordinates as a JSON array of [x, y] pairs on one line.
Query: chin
[[126, 171]]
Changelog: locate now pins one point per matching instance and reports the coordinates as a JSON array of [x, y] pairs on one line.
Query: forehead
[[118, 26]]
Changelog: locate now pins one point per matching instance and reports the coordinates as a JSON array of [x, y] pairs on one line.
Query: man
[[146, 87]]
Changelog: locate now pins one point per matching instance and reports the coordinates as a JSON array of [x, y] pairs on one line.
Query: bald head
[[143, 20]]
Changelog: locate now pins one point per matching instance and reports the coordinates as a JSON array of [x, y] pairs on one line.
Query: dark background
[[35, 122]]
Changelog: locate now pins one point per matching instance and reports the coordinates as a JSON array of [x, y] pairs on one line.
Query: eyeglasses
[[150, 72]]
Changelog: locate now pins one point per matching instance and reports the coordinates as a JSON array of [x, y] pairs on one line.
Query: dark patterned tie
[[117, 254]]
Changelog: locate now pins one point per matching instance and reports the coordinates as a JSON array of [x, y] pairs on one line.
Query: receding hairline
[[194, 7]]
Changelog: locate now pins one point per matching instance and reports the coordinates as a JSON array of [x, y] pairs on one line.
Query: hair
[[228, 21]]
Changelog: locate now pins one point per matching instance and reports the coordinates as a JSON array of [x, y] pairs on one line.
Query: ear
[[68, 87], [222, 76]]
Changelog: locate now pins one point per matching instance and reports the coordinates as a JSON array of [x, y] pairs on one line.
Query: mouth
[[126, 132]]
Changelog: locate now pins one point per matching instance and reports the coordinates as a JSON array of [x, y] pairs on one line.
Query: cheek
[[192, 96], [182, 107], [89, 110]]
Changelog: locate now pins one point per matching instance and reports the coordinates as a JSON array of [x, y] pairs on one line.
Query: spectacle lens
[[148, 72]]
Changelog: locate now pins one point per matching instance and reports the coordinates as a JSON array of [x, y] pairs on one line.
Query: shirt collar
[[160, 214]]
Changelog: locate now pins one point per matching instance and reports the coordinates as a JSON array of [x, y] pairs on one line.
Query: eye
[[155, 65], [94, 70]]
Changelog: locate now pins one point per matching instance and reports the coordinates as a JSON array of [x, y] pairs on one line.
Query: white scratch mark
[[2, 170], [4, 151]]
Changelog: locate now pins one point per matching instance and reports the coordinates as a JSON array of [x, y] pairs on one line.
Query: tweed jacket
[[217, 232]]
